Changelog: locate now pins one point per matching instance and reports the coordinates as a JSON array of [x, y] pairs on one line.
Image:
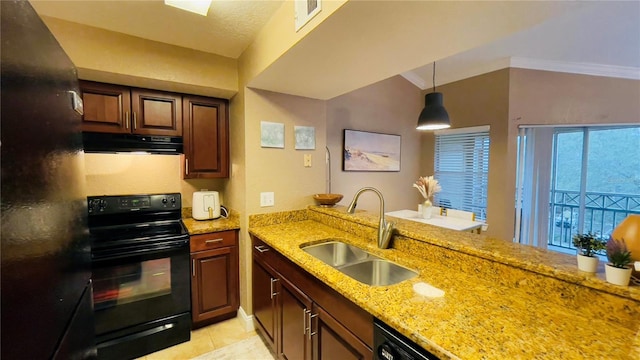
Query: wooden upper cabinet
[[107, 107], [206, 137], [112, 108], [156, 112]]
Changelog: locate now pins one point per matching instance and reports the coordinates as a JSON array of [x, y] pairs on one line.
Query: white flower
[[428, 186]]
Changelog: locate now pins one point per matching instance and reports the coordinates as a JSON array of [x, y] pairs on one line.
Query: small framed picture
[[305, 137], [369, 151], [271, 135]]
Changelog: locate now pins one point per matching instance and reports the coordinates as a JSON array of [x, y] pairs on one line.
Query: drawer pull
[[213, 241], [273, 293], [261, 248], [310, 334], [126, 119], [304, 321], [193, 267]]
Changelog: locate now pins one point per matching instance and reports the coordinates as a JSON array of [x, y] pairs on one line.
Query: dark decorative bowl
[[327, 200]]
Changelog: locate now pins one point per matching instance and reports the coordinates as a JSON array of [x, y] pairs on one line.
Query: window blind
[[462, 168]]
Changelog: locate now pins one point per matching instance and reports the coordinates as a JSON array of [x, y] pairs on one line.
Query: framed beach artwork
[[271, 135], [369, 151]]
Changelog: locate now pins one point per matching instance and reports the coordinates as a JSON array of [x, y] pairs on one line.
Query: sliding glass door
[[575, 180]]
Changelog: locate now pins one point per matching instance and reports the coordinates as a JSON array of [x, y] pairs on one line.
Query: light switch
[[266, 199], [307, 160]]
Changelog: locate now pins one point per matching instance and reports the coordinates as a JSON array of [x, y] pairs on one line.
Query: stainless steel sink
[[378, 272], [359, 264], [336, 253]]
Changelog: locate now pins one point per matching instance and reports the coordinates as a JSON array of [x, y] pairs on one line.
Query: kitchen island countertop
[[476, 319]]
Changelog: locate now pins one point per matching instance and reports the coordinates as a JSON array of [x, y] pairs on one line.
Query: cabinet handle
[[310, 334], [193, 267], [213, 241], [126, 119], [186, 166], [135, 122], [273, 293], [261, 248], [304, 321]]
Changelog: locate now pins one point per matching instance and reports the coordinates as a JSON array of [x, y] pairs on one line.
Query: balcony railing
[[602, 213]]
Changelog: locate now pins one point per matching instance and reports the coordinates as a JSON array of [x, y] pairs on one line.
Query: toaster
[[206, 205]]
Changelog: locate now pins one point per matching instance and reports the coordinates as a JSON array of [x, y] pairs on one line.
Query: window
[[462, 168], [575, 180]]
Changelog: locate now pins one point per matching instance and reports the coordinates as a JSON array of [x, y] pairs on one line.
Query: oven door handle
[[118, 253]]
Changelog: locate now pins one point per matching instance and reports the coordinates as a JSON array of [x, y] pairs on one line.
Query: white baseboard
[[246, 319]]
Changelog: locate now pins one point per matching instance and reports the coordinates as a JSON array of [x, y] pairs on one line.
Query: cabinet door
[[206, 137], [263, 296], [106, 107], [156, 113], [214, 291], [333, 341], [294, 309]]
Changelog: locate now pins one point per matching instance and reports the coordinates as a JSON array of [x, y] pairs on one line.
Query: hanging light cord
[[434, 76]]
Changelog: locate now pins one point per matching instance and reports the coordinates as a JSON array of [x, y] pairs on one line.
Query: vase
[[427, 208], [588, 263], [617, 276]]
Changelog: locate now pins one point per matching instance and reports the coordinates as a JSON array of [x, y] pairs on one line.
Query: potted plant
[[587, 244], [618, 271]]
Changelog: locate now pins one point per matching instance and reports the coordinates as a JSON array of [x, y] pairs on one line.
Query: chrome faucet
[[385, 229]]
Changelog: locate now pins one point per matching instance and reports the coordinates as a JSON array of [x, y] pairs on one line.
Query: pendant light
[[434, 116]]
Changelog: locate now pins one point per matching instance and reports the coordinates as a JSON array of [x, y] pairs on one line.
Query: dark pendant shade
[[433, 116]]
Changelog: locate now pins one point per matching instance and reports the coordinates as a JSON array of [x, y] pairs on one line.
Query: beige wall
[[235, 193], [107, 56], [482, 100], [123, 174], [282, 170], [507, 98], [278, 36], [275, 170], [390, 106]]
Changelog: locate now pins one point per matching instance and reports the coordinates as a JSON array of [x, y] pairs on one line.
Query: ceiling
[[227, 30], [600, 39], [597, 38]]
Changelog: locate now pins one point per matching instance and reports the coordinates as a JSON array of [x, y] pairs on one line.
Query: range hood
[[113, 143]]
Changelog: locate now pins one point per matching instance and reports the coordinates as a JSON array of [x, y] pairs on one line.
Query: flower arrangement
[[428, 187], [587, 244], [618, 254]]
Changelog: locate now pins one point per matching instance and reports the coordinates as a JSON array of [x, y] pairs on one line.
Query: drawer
[[213, 240]]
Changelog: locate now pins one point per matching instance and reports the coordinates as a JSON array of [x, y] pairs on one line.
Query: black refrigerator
[[46, 304]]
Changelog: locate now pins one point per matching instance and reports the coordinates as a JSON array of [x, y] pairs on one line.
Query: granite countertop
[[208, 226], [476, 318]]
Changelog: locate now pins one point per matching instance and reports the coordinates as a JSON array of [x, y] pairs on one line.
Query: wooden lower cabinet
[[294, 309], [334, 341], [214, 278], [264, 304], [290, 308]]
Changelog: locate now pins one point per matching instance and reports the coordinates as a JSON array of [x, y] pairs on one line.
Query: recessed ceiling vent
[[305, 10]]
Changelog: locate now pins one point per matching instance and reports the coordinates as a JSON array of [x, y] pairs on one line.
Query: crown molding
[[415, 79], [624, 72], [465, 72]]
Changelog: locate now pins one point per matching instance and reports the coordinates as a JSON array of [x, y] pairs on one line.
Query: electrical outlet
[[266, 199], [307, 160]]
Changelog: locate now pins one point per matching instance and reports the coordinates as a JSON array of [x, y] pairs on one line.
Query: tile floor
[[208, 339]]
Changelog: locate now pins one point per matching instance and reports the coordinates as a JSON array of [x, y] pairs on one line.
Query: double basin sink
[[358, 264]]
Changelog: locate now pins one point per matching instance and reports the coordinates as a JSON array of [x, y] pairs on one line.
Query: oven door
[[141, 287]]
